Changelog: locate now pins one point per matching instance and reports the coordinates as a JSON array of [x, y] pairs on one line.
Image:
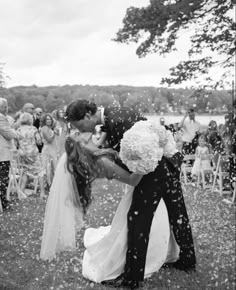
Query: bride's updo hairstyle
[[76, 110]]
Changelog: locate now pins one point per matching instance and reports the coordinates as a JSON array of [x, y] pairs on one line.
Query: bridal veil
[[61, 216]]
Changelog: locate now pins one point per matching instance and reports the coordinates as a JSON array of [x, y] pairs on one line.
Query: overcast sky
[[58, 42]]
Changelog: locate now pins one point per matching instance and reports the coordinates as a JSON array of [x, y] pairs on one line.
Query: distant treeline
[[147, 99]]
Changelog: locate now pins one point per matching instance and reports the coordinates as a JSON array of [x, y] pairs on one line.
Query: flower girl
[[202, 161]]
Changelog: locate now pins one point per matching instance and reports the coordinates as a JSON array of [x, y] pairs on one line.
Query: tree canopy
[[157, 27], [147, 99]]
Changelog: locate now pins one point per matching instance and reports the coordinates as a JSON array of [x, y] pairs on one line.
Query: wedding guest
[[37, 117], [49, 151], [213, 138], [37, 122], [27, 108], [201, 161], [191, 128], [7, 134], [28, 151], [61, 127]]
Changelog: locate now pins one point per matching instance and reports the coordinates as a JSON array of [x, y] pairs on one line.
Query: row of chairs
[[16, 173], [218, 173]]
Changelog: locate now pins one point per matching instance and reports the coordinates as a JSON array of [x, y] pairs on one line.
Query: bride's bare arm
[[113, 171]]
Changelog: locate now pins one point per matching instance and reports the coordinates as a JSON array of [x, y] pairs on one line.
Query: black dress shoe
[[180, 266], [120, 281], [116, 283]]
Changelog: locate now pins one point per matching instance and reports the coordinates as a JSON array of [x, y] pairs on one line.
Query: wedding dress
[[61, 216], [105, 254]]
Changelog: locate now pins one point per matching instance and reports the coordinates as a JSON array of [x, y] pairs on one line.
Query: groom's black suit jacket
[[118, 121]]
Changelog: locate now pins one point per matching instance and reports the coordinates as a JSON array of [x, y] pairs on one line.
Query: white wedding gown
[[104, 257]]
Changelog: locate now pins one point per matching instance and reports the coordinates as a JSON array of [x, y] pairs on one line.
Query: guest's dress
[[61, 127], [49, 151], [28, 150], [200, 163]]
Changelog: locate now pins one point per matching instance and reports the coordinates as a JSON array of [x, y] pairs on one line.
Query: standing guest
[[214, 138], [27, 108], [215, 141], [7, 134], [49, 151], [28, 151], [62, 129], [37, 121], [37, 117], [191, 129]]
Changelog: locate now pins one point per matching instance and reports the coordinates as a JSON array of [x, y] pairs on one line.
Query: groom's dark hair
[[76, 110]]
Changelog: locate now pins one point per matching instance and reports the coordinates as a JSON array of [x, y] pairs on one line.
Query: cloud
[[60, 42]]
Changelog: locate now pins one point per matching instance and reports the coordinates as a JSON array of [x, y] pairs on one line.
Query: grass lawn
[[213, 226]]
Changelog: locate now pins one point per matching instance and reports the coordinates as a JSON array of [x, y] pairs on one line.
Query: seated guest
[[28, 151], [7, 134]]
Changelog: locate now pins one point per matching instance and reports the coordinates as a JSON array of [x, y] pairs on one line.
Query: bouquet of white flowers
[[143, 146]]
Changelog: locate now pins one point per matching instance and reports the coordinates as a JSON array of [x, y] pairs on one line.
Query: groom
[[162, 183]]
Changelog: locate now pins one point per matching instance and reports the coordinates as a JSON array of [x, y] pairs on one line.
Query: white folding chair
[[221, 172], [37, 176], [209, 171], [15, 175], [186, 168]]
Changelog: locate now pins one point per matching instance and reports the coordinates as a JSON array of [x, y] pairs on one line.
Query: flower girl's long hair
[[84, 166]]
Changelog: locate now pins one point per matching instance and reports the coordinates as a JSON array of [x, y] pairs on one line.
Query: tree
[[161, 23]]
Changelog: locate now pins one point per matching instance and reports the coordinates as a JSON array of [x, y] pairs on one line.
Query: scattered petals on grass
[[213, 227]]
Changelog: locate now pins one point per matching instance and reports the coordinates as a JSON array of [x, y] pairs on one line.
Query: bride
[[69, 199]]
